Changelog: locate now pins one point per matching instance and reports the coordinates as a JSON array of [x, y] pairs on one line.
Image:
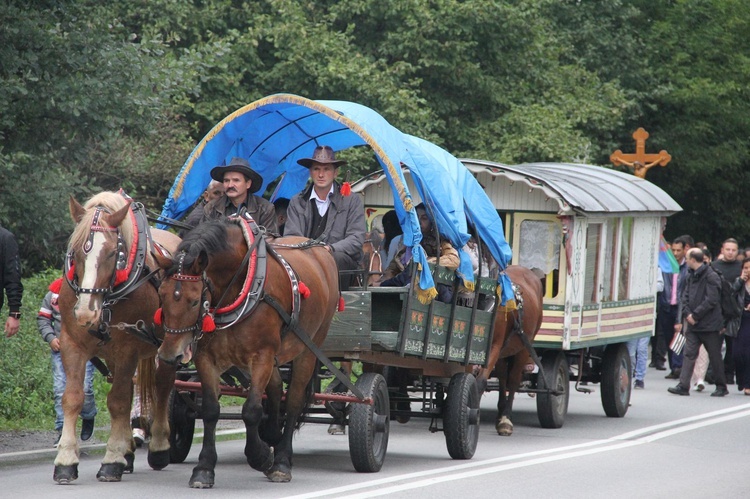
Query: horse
[[211, 263], [509, 354], [107, 273], [372, 261]]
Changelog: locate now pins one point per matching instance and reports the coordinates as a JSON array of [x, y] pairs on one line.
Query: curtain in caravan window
[[608, 291], [540, 245], [593, 239], [626, 234]]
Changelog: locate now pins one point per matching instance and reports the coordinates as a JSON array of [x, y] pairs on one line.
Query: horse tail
[[146, 385]]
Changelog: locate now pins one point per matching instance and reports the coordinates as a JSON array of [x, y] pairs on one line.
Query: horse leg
[[296, 401], [270, 429], [158, 447], [119, 456], [515, 373], [259, 455], [203, 473], [66, 462], [503, 425]]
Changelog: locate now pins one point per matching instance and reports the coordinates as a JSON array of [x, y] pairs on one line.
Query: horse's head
[[185, 296], [96, 247]]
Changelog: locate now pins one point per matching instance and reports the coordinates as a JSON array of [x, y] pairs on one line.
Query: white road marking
[[456, 472]]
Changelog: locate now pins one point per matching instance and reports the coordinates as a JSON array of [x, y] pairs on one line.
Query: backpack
[[730, 305]]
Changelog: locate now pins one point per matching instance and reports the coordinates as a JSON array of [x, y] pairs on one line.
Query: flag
[[667, 261]]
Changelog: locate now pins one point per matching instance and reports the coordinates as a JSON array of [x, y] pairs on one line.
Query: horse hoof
[[65, 474], [158, 460], [202, 479], [279, 476], [504, 428], [267, 463], [110, 472], [129, 460]]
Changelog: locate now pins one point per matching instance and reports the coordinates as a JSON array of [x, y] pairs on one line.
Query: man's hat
[[322, 154], [242, 166]]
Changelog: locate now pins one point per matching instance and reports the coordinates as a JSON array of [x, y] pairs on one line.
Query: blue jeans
[[58, 387], [638, 350]]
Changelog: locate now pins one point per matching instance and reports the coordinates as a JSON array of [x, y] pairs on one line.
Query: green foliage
[[26, 400]]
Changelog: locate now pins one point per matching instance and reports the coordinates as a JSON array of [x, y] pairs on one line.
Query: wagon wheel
[[551, 409], [369, 425], [616, 372], [461, 416], [181, 425]]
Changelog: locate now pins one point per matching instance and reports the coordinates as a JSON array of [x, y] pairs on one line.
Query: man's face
[[236, 186], [323, 175], [692, 264], [678, 250], [729, 250], [425, 224], [214, 191]]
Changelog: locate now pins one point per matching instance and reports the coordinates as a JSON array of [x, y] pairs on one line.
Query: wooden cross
[[640, 161]]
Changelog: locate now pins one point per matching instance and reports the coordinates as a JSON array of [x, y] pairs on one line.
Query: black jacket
[[701, 297], [10, 271]]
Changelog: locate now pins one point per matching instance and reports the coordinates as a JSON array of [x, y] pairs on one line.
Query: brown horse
[[508, 352], [108, 285], [213, 262]]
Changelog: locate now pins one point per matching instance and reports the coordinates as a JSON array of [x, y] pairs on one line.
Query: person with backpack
[[701, 310], [730, 267]]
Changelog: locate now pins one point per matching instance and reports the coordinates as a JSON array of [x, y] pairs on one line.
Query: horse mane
[[112, 201], [209, 236]]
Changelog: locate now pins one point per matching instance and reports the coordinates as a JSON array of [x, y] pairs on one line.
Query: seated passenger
[[398, 273], [321, 212]]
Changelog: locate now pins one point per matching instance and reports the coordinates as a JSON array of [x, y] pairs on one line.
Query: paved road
[[666, 446]]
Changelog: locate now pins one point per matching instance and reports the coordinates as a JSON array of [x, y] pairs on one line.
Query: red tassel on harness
[[72, 272], [341, 304], [56, 285], [346, 189], [304, 291], [208, 326], [121, 276], [158, 316]]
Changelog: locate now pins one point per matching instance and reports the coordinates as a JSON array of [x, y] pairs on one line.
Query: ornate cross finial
[[640, 161]]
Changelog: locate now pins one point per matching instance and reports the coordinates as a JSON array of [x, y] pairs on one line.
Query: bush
[[26, 400]]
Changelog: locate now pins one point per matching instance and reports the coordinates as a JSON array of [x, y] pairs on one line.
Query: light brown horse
[[508, 354], [106, 251], [211, 264]]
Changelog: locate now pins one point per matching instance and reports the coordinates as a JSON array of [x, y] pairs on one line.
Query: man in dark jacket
[[701, 309], [10, 279], [322, 212], [729, 266], [240, 184]]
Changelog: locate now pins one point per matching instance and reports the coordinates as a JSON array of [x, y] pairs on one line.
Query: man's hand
[[678, 327], [690, 320], [55, 345], [11, 326]]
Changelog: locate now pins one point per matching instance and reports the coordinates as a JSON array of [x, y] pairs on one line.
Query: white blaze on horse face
[[88, 308]]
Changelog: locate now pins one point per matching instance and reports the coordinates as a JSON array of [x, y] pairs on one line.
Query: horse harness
[[224, 318], [138, 275]]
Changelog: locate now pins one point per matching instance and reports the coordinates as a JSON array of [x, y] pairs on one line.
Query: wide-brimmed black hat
[[242, 166], [322, 154]]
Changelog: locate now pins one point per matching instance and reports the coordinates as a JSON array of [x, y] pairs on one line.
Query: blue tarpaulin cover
[[274, 132]]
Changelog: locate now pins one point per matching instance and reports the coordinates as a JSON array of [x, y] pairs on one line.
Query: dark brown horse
[[108, 254], [508, 353], [372, 262], [211, 270]]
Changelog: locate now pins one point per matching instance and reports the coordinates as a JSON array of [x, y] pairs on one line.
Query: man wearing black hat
[[240, 183], [322, 212]]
